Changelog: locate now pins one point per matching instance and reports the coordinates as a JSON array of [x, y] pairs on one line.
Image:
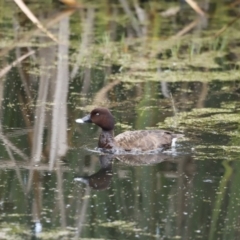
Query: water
[[53, 183]]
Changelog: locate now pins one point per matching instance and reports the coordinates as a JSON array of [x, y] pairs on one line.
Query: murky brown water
[[53, 184]]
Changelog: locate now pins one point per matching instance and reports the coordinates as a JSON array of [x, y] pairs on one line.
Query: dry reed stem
[[5, 70], [195, 7], [101, 96], [34, 19], [186, 29], [224, 28], [70, 3], [27, 35]]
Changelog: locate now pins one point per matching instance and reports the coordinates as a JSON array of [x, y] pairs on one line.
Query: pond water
[[136, 61]]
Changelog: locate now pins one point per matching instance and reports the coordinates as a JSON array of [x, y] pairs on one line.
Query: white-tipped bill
[[86, 119], [79, 120], [81, 179]]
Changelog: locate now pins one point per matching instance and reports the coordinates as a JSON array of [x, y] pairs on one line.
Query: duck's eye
[[97, 114]]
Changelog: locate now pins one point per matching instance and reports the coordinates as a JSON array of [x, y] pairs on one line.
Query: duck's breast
[[144, 139]]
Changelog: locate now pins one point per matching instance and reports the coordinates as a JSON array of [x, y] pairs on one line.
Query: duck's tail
[[175, 138]]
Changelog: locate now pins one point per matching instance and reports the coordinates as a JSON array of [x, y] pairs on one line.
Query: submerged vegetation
[[156, 64]]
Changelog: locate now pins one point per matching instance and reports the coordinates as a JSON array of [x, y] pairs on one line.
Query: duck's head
[[102, 117]]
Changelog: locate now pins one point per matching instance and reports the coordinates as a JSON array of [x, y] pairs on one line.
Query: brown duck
[[140, 140]]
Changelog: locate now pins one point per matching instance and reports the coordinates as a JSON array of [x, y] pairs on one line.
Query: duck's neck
[[106, 139]]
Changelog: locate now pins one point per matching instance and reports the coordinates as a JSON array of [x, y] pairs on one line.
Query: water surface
[[150, 76]]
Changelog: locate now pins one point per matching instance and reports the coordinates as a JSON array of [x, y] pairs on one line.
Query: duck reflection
[[101, 180], [145, 159]]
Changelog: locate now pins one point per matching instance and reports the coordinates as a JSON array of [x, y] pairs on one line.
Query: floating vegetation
[[205, 119]]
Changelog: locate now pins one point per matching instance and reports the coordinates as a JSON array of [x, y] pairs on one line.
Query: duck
[[129, 141]]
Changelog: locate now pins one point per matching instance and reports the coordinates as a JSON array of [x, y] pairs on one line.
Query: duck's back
[[145, 139]]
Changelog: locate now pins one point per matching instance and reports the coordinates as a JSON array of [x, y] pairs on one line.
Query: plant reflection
[[130, 56]]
